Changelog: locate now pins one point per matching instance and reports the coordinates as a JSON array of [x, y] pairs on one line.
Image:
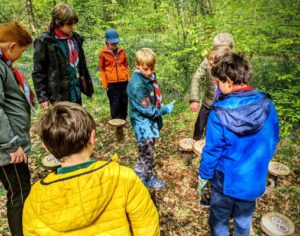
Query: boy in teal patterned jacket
[[146, 110]]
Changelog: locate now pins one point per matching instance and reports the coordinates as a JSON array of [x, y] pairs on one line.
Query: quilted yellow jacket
[[101, 199]]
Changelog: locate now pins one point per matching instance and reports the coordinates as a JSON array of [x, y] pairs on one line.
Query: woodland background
[[181, 34]]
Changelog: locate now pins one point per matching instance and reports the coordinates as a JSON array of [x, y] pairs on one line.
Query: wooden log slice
[[278, 169], [276, 224], [117, 122], [198, 146], [186, 145], [50, 162]]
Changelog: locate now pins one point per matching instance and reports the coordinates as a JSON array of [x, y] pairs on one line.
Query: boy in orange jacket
[[114, 71]]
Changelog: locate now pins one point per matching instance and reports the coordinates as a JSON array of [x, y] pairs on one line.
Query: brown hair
[[65, 128], [63, 14], [233, 66], [145, 56], [15, 32]]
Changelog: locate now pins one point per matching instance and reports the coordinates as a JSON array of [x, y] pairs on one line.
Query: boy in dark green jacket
[[16, 99]]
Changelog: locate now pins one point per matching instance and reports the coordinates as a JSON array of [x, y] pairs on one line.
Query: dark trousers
[[222, 208], [201, 122], [118, 100], [16, 180]]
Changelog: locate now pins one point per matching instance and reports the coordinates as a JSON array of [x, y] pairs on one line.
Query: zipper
[[115, 61]]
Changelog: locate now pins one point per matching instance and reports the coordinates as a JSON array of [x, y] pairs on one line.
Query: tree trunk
[[30, 14]]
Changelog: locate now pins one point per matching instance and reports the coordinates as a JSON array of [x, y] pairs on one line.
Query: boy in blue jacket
[[241, 139], [146, 110]]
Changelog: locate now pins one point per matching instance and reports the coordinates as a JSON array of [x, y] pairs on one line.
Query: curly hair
[[233, 66]]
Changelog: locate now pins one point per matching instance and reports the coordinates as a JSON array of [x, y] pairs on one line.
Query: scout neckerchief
[[72, 52], [19, 77], [156, 91]]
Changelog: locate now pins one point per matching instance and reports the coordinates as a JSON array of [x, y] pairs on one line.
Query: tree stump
[[185, 146], [50, 162], [276, 224], [197, 148], [118, 124], [276, 170]]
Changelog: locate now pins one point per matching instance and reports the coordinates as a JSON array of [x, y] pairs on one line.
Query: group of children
[[91, 197]]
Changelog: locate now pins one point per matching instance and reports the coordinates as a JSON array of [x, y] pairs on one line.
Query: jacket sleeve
[[142, 213], [127, 66], [140, 100], [40, 70], [199, 75], [28, 228], [102, 70], [88, 90], [276, 129], [9, 142], [213, 148]]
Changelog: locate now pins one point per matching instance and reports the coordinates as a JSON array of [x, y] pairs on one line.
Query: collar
[[68, 169], [4, 58], [247, 88]]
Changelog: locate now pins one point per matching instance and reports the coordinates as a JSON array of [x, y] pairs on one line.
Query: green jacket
[[14, 116], [204, 77]]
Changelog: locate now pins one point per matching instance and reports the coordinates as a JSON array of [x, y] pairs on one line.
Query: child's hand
[[201, 184], [18, 156], [167, 109], [45, 104]]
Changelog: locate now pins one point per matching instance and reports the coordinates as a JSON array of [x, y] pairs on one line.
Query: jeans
[[201, 122], [222, 208], [118, 100], [16, 180]]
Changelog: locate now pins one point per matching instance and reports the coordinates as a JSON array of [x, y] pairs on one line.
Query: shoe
[[205, 202], [153, 183]]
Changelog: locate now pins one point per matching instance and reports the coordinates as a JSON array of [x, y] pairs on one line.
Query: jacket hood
[[75, 200], [243, 112]]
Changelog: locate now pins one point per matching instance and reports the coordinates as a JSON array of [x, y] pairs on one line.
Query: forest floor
[[178, 204]]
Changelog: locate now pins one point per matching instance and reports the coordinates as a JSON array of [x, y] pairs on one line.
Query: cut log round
[[198, 146], [50, 162], [276, 224], [186, 145], [117, 122], [278, 169]]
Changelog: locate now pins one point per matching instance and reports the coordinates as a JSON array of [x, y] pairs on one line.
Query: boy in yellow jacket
[[84, 196]]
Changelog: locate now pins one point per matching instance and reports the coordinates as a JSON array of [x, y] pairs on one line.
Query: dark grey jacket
[[14, 116], [50, 74]]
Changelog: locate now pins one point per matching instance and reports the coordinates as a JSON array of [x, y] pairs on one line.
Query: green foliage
[[181, 33]]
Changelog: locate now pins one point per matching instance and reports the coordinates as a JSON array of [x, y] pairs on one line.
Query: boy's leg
[[114, 97], [145, 160], [221, 208], [242, 214], [201, 123], [16, 181], [123, 103]]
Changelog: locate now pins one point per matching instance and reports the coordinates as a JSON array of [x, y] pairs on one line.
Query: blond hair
[[15, 32], [145, 56], [223, 39], [63, 14]]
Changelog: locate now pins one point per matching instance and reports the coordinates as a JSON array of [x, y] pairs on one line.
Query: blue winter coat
[[145, 117], [241, 139]]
